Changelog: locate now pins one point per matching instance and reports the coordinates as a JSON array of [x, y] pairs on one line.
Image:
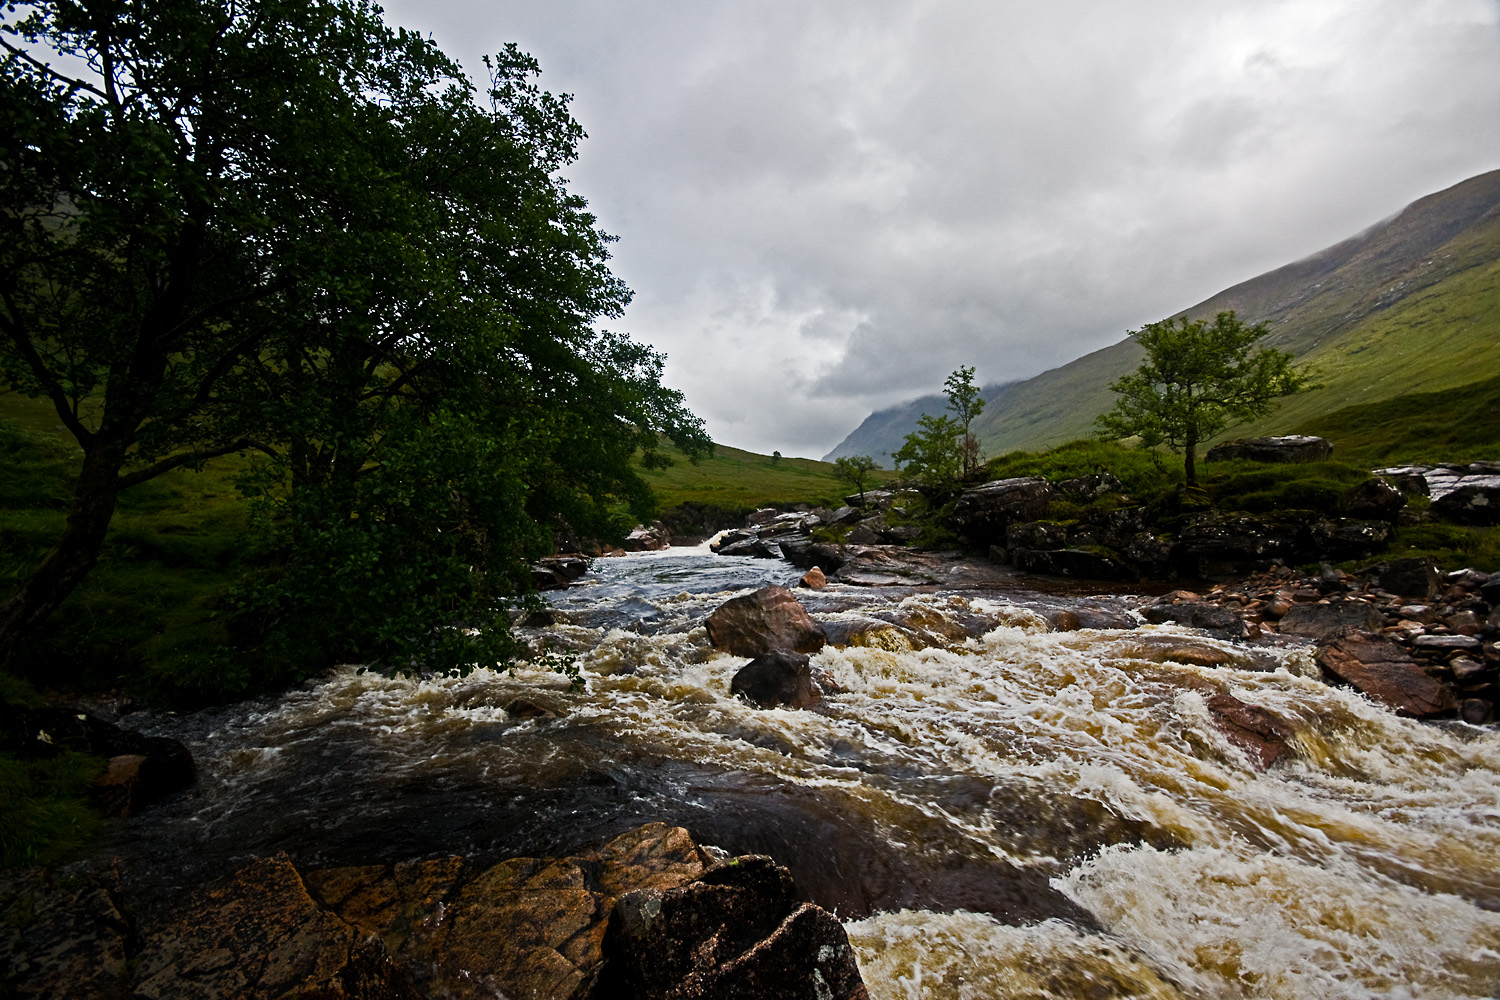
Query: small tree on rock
[[1197, 378], [966, 402], [855, 470]]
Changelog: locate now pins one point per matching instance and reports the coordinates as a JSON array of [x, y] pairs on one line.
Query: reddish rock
[[814, 579], [1386, 672], [769, 619], [1262, 735]]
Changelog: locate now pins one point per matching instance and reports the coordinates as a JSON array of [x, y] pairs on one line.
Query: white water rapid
[[1026, 814]]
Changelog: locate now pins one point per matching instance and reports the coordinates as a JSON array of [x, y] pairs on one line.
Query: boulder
[[647, 539], [1209, 617], [870, 499], [777, 678], [1286, 448], [1476, 501], [1386, 672], [1262, 735], [1374, 499], [1320, 621], [1091, 487], [813, 579], [769, 619], [1211, 540], [984, 513], [737, 933], [67, 938], [1411, 577]]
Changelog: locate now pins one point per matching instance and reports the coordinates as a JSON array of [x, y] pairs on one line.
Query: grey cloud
[[824, 208]]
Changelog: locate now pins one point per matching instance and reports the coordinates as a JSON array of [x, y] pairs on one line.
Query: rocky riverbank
[[650, 915]]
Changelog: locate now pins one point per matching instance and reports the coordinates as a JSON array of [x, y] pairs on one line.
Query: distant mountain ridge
[[882, 432], [1410, 304]]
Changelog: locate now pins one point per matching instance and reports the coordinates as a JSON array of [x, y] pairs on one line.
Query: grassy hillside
[[734, 479], [1454, 425], [1410, 305]]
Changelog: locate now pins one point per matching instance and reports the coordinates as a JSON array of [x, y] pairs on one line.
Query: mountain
[[881, 433], [1410, 305]]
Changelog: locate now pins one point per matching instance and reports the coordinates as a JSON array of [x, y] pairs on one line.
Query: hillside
[[1410, 305], [881, 432]]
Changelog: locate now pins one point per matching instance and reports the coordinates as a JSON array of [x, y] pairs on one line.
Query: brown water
[[1027, 814]]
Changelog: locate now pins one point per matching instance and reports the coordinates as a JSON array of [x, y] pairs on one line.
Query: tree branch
[[72, 83], [190, 458]]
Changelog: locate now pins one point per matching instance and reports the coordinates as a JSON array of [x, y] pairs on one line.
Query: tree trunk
[[94, 497], [1190, 459]]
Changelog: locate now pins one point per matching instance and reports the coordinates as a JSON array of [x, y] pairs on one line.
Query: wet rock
[[870, 499], [648, 539], [68, 940], [737, 932], [1208, 617], [984, 513], [1476, 711], [1374, 499], [1261, 734], [1286, 448], [1411, 577], [555, 572], [769, 619], [1319, 621], [1476, 502], [1091, 487], [531, 708], [1386, 672], [256, 933], [813, 579], [777, 678], [1073, 619], [1447, 643]]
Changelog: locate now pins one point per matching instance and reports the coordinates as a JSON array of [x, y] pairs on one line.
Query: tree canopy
[[283, 226], [943, 449], [1197, 378]]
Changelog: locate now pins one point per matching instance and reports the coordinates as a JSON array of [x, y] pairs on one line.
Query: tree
[[932, 453], [284, 226], [855, 470], [1197, 378], [966, 403]]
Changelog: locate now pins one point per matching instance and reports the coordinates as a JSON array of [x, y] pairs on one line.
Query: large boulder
[[769, 619], [1320, 621], [1196, 614], [1386, 672], [1373, 499], [739, 932], [1409, 577], [1476, 501], [985, 512], [648, 539], [777, 678], [1286, 448]]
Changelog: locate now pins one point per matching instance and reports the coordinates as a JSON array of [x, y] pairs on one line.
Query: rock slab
[[1386, 672]]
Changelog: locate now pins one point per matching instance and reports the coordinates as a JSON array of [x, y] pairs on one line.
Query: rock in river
[[769, 619]]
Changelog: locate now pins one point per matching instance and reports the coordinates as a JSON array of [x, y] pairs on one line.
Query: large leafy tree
[[1197, 378], [281, 225]]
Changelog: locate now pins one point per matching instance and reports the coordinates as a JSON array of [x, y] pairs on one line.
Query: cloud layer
[[824, 208]]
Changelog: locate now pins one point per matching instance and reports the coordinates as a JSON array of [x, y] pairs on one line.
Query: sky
[[824, 207]]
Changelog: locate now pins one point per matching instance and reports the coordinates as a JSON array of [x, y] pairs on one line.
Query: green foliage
[[1256, 487], [1451, 546], [1455, 425], [1137, 468], [291, 228], [855, 470], [735, 480], [966, 403], [44, 812], [932, 454], [1196, 380]]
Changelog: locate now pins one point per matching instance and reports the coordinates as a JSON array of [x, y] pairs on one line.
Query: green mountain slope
[[1411, 304]]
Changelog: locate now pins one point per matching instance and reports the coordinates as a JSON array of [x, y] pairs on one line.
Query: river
[[1025, 814]]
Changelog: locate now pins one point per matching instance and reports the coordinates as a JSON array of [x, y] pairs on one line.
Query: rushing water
[[1025, 814]]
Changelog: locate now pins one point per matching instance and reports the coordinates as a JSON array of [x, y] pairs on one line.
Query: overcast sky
[[825, 207]]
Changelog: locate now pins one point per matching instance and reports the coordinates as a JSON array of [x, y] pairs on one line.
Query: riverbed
[[1026, 813]]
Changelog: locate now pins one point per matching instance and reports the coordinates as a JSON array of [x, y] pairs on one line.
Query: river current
[[1028, 813]]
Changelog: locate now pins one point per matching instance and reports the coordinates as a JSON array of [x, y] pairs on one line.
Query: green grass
[[733, 479], [1139, 470], [1453, 425]]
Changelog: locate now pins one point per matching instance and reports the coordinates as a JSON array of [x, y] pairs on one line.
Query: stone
[[777, 678], [1476, 711], [1410, 577], [1286, 448], [739, 932], [1447, 643], [1091, 487], [1476, 501], [1073, 619], [813, 579], [1319, 621], [1386, 672], [1373, 499], [1263, 736], [769, 619], [1466, 669], [531, 708], [647, 539], [65, 939], [870, 499], [1208, 617], [984, 513]]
